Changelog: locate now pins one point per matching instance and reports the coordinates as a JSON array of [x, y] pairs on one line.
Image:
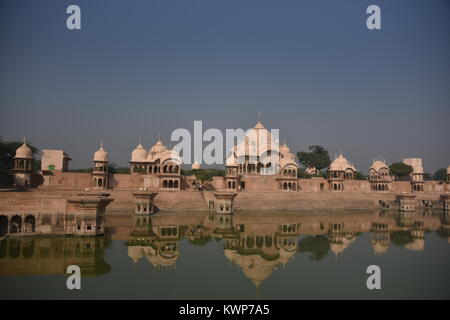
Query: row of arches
[[341, 174], [380, 187], [290, 172], [290, 186], [418, 187], [100, 182], [22, 164], [336, 186], [171, 184], [380, 175], [231, 184], [155, 169], [169, 231], [248, 167], [16, 225]]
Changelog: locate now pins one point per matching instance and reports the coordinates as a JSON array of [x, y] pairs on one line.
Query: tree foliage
[[359, 176], [440, 175], [318, 246], [400, 169], [317, 157], [7, 153], [204, 175]]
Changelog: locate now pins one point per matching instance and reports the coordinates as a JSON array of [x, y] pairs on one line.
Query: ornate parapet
[[143, 200], [224, 202], [407, 202]]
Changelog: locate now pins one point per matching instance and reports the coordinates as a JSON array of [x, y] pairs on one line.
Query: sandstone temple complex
[[260, 174]]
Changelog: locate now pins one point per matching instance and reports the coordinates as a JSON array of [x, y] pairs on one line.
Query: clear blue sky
[[146, 66]]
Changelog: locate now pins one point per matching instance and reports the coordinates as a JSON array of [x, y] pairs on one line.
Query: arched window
[[30, 224], [170, 184], [175, 184], [16, 224], [165, 184]]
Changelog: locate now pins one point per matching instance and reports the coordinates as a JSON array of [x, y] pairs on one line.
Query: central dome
[[159, 147]]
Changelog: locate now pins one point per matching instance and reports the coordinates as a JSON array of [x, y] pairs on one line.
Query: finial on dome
[[101, 144], [24, 140], [140, 140], [259, 115]]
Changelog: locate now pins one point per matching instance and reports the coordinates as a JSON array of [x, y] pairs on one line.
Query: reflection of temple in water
[[45, 256], [260, 243], [158, 244]]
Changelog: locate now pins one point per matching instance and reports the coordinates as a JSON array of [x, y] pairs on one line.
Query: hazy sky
[[314, 69]]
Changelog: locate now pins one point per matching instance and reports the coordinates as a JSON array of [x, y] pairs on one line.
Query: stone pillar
[[143, 202], [224, 202], [406, 202]]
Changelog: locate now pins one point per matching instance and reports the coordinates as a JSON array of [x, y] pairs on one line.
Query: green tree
[[359, 176], [401, 170], [7, 153], [317, 157], [318, 246], [440, 175], [302, 174], [204, 175]]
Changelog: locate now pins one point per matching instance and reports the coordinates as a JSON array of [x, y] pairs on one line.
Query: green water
[[290, 255]]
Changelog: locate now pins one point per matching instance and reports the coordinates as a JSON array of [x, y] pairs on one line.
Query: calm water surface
[[283, 255]]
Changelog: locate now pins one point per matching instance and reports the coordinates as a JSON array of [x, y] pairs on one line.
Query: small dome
[[101, 154], [284, 149], [195, 166], [139, 154], [377, 165], [24, 151], [159, 147], [341, 164]]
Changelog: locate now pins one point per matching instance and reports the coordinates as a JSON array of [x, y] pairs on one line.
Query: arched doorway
[[16, 224], [29, 224], [3, 225]]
